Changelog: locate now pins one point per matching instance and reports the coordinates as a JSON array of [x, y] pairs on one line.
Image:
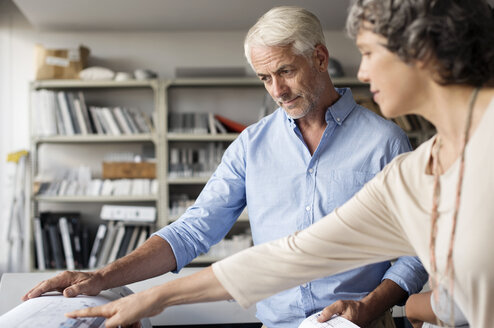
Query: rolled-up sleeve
[[408, 273]]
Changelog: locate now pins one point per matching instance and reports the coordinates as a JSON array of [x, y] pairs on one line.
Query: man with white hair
[[290, 169]]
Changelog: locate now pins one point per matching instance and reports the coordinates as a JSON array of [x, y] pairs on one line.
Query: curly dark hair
[[457, 36]]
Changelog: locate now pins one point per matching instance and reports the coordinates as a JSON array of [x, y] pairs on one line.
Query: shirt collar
[[338, 111]]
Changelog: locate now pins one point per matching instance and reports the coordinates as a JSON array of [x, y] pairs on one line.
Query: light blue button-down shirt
[[270, 169]]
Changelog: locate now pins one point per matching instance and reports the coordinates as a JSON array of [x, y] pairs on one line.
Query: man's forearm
[[153, 258], [384, 297]]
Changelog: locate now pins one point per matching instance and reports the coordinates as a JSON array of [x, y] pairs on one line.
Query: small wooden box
[[129, 170]]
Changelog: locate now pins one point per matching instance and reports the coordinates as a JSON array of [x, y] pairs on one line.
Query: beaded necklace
[[435, 202]]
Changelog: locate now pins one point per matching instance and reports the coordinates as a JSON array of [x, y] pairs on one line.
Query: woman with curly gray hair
[[454, 41], [433, 58]]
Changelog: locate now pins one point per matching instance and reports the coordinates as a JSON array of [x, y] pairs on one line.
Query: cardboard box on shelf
[[129, 170], [60, 63]]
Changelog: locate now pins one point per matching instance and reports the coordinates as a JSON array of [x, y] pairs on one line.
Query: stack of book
[[118, 121], [179, 204], [66, 113], [127, 228], [114, 240], [98, 187], [78, 181], [61, 241], [202, 123], [230, 246], [189, 161]]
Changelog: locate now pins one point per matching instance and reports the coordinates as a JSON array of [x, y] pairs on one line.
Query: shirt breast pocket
[[345, 184]]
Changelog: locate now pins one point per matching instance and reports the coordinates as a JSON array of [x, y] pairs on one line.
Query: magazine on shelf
[[97, 246]]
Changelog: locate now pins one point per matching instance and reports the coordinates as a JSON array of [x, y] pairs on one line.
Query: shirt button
[[337, 119], [304, 286], [307, 208], [311, 170]]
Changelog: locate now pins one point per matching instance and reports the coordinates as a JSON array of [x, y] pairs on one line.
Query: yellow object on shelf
[[14, 157]]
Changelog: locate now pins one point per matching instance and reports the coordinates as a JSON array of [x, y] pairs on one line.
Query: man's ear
[[321, 57]]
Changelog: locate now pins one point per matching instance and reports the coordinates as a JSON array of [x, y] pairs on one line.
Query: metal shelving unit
[[155, 139]]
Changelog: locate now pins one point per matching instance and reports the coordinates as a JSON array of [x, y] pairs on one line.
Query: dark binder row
[[63, 242], [51, 251]]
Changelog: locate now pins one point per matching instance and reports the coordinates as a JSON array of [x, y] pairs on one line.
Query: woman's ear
[[321, 58]]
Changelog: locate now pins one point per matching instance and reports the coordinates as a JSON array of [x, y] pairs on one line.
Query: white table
[[14, 285]]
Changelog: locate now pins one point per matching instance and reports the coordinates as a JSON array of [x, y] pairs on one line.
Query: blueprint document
[[49, 311]]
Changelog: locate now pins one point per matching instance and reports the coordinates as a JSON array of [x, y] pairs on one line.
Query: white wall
[[4, 116], [159, 51], [163, 51], [15, 43]]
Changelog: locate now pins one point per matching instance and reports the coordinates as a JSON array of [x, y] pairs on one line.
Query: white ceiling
[[169, 15]]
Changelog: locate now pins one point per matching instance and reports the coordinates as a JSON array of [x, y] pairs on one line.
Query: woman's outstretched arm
[[199, 287]]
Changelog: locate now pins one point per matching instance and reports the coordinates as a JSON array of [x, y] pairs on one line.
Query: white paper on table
[[334, 322]]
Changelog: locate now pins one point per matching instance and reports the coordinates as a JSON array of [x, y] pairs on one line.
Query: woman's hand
[[198, 287], [418, 309], [125, 311]]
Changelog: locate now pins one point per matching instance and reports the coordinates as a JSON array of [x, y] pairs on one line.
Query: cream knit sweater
[[388, 218]]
